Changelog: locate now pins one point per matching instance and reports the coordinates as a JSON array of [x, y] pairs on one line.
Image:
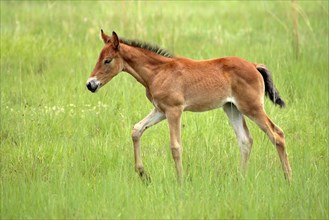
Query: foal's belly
[[206, 92], [206, 103]]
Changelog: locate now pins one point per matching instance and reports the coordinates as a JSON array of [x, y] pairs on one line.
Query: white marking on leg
[[238, 123], [151, 119]]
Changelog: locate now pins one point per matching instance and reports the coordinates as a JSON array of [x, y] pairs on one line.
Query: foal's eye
[[107, 61]]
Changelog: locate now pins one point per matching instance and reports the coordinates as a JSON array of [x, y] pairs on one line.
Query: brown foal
[[176, 84]]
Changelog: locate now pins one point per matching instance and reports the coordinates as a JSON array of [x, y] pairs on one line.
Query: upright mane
[[150, 47]]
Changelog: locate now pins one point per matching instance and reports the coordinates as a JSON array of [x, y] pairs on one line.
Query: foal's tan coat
[[176, 84]]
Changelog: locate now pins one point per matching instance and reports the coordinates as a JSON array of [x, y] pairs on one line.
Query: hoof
[[145, 178]]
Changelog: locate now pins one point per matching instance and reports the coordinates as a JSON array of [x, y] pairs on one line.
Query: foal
[[177, 84]]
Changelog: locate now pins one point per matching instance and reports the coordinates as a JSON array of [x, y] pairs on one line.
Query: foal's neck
[[142, 64]]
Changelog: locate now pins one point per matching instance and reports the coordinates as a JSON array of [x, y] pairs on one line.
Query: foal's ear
[[105, 37], [115, 40]]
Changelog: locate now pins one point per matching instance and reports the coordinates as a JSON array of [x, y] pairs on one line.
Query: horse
[[176, 84]]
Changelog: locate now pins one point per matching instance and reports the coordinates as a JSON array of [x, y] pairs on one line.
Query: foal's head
[[108, 65]]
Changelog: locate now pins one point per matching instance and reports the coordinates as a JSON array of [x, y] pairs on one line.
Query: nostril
[[89, 85]]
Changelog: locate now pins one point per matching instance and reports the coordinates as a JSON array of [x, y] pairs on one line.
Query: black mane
[[150, 47]]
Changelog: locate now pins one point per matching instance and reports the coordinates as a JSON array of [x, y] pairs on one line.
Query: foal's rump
[[249, 83]]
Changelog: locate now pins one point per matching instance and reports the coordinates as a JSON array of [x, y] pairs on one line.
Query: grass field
[[67, 153]]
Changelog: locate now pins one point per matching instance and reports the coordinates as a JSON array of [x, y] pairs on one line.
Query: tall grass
[[67, 153]]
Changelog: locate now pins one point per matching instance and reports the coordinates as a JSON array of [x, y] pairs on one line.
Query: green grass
[[67, 153]]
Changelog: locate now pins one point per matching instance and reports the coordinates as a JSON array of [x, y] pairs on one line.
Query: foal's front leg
[[174, 120], [153, 118]]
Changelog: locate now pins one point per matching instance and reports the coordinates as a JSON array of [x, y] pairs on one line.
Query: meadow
[[67, 153]]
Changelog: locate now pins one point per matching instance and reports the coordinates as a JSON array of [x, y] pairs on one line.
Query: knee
[[176, 151], [135, 134]]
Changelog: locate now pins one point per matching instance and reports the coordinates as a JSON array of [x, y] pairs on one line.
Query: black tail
[[270, 89]]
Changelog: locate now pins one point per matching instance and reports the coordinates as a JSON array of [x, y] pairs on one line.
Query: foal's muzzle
[[93, 85]]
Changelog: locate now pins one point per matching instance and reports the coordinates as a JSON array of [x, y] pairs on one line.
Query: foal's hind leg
[[276, 135], [242, 133]]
